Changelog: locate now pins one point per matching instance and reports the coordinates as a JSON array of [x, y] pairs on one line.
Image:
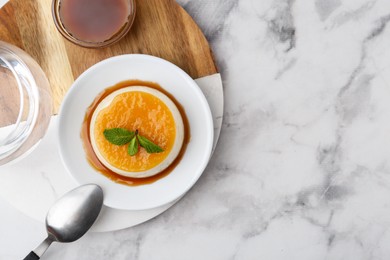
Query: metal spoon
[[70, 217]]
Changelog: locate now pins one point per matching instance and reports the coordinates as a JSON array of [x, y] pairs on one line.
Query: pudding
[[147, 112]]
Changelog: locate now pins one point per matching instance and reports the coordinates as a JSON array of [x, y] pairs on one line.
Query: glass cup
[[25, 103], [127, 6]]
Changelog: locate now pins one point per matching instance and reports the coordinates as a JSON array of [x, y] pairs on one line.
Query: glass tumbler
[[25, 103]]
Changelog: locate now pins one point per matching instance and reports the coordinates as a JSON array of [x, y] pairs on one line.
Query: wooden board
[[161, 28]]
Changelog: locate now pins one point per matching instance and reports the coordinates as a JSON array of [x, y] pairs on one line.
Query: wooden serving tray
[[161, 28]]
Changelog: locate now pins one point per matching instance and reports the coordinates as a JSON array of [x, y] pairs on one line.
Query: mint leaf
[[133, 147], [118, 136], [121, 136], [149, 146]]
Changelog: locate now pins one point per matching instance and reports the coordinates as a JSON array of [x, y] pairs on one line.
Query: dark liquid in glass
[[94, 20]]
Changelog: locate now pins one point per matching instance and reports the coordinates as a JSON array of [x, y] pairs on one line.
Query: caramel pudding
[[149, 112]]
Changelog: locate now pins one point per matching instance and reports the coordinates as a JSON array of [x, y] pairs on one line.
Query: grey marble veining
[[302, 169]]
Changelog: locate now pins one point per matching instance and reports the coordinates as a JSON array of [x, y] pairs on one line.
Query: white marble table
[[302, 170]]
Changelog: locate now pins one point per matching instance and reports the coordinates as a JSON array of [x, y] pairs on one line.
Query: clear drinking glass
[[25, 103]]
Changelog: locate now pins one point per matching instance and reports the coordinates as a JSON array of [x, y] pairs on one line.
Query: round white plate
[[148, 68]]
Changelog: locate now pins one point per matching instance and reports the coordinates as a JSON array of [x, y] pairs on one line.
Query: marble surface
[[302, 168]]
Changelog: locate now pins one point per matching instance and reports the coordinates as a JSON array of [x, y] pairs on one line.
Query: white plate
[[175, 81]]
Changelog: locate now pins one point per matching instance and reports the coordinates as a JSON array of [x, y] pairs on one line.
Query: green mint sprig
[[122, 136]]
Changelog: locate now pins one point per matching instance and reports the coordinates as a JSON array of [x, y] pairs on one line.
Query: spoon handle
[[40, 250], [31, 256]]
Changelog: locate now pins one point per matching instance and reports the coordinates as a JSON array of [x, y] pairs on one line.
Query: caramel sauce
[[95, 162]]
